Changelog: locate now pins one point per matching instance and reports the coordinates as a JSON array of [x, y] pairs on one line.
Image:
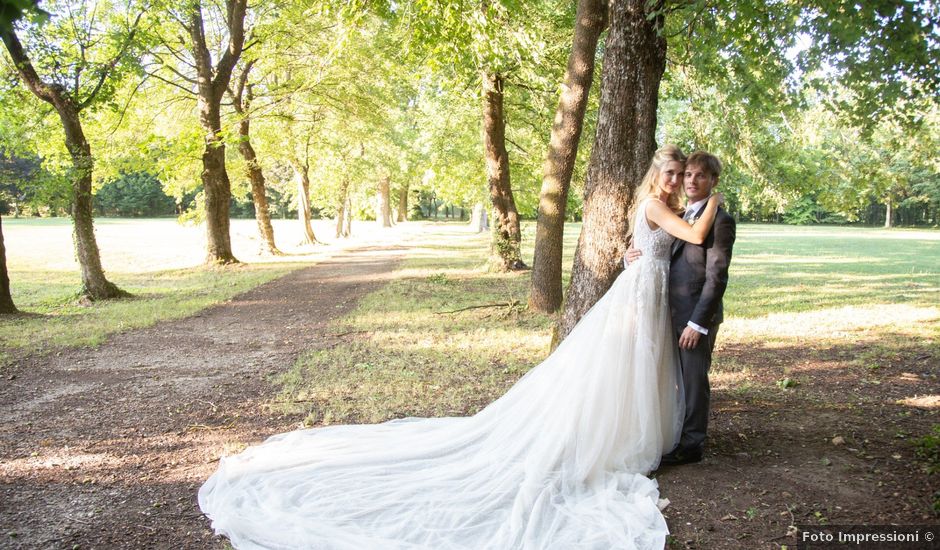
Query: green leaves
[[882, 51]]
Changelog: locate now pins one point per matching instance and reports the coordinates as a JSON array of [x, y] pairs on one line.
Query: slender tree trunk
[[256, 177], [479, 220], [545, 293], [347, 228], [634, 61], [341, 210], [241, 100], [6, 300], [260, 200], [403, 203], [888, 213], [506, 234], [384, 214], [303, 203]]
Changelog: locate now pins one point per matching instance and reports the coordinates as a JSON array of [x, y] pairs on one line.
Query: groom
[[698, 277]]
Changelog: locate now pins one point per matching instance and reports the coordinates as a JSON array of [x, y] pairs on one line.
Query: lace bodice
[[654, 244]]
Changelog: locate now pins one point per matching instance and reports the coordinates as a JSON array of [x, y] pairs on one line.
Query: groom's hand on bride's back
[[632, 255]]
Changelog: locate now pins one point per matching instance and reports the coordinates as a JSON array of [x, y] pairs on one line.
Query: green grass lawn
[[158, 260], [402, 354], [55, 318], [788, 269], [787, 272]]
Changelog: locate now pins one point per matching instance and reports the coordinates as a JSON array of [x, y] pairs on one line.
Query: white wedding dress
[[558, 462]]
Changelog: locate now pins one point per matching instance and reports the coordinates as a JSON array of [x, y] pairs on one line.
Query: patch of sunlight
[[60, 459], [789, 259], [789, 231], [144, 245], [835, 322], [520, 341], [921, 401], [422, 273], [725, 380]]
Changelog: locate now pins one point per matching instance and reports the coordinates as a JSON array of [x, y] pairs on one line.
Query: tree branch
[[171, 83], [236, 24], [25, 67], [111, 64]]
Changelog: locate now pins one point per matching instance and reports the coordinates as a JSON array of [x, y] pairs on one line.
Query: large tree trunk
[[95, 285], [303, 203], [634, 61], [545, 293], [6, 300], [403, 203], [212, 82], [384, 207], [506, 234], [218, 191]]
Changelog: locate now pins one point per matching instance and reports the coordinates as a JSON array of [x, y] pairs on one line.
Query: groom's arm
[[717, 260]]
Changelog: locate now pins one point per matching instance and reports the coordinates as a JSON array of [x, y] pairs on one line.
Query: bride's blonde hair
[[649, 187], [650, 184]]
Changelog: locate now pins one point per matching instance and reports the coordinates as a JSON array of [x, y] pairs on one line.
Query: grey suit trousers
[[695, 363]]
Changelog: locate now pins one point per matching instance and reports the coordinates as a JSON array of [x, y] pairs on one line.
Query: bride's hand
[[719, 198]]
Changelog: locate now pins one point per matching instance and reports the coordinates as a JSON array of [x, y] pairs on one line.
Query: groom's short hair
[[707, 161]]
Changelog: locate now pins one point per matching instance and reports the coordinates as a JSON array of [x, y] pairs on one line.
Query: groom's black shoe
[[681, 456]]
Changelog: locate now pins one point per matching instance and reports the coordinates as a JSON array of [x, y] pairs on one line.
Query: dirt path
[[107, 447]]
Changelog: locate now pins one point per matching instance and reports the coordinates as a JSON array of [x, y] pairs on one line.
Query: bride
[[558, 462]]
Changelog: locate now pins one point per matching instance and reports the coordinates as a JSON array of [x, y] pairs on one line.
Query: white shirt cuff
[[697, 328]]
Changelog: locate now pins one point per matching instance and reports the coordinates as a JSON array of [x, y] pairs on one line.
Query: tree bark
[[241, 101], [212, 83], [6, 300], [545, 292], [347, 228], [403, 203], [634, 61], [303, 202], [95, 285], [384, 207], [506, 234]]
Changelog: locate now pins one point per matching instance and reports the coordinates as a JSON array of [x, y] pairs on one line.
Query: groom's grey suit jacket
[[698, 276]]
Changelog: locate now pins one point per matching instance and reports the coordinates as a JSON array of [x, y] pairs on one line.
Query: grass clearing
[[56, 319], [405, 351], [398, 355], [159, 261]]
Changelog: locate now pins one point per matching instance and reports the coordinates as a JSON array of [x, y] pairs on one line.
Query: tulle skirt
[[558, 462]]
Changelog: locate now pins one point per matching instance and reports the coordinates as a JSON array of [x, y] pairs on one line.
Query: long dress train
[[558, 462]]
